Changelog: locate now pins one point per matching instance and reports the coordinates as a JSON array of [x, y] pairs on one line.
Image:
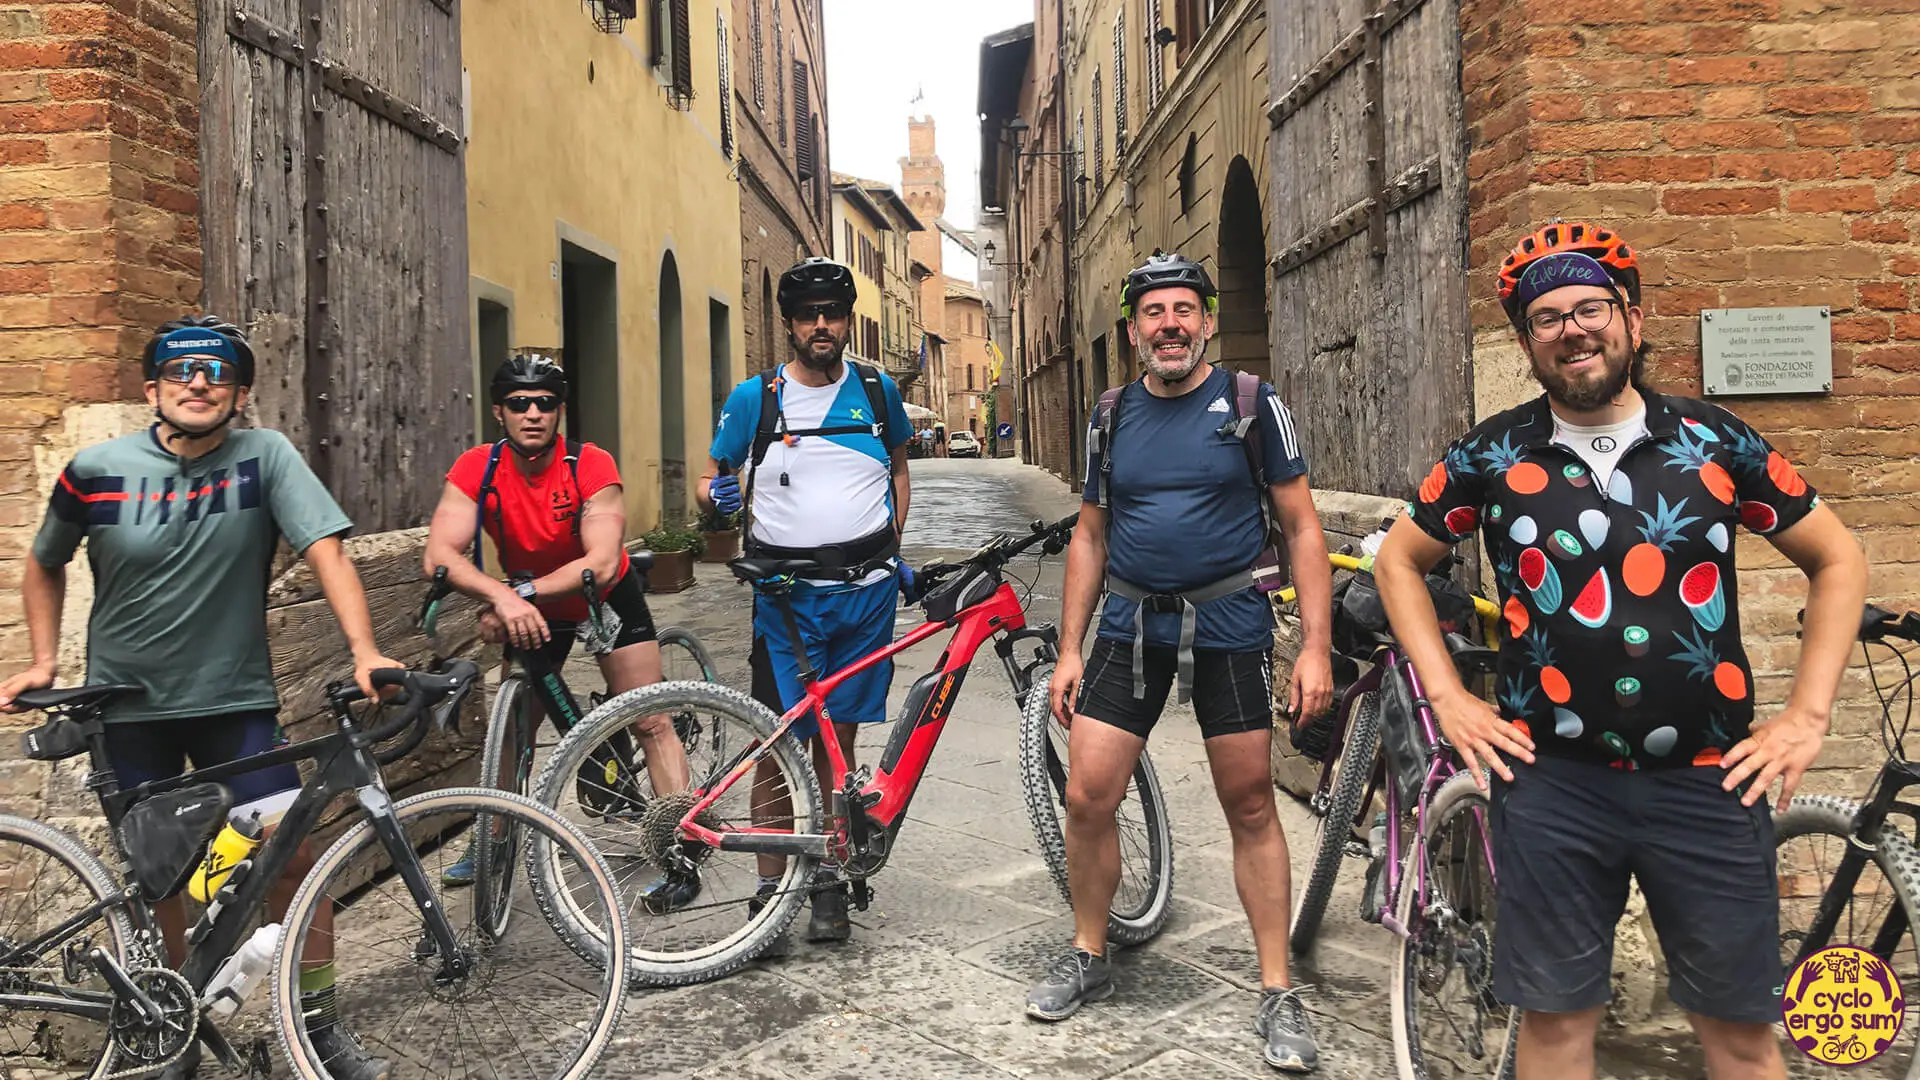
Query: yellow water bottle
[[234, 843]]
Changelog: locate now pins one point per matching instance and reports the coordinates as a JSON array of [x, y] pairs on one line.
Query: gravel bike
[[1848, 870], [85, 987], [730, 817], [1430, 875], [535, 687]]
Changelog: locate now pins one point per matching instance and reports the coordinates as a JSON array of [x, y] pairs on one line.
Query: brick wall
[[1756, 153]]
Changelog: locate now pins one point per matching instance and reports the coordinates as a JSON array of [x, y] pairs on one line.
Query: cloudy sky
[[880, 54]]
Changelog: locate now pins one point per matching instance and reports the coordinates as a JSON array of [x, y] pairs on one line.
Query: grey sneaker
[[344, 1057], [1282, 1021], [1075, 979]]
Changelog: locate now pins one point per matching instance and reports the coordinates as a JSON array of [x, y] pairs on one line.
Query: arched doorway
[[1241, 342], [673, 395]]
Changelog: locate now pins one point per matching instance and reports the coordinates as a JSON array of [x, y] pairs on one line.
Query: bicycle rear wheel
[[728, 923], [1144, 898], [1446, 1023], [506, 764], [46, 878], [522, 1008], [1334, 827], [1810, 837]]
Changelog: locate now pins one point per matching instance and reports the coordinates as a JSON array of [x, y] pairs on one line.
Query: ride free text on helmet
[[1539, 263]]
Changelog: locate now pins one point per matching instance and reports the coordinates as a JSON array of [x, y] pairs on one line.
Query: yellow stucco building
[[604, 220]]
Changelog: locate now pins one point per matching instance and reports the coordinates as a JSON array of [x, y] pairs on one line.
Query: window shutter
[[1156, 55], [779, 75], [802, 122], [1099, 132], [759, 60], [726, 86], [682, 54], [1119, 84]]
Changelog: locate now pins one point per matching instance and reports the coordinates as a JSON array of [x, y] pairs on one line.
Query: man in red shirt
[[552, 508]]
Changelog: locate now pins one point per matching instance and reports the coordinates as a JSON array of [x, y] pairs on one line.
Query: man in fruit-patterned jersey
[[1624, 743]]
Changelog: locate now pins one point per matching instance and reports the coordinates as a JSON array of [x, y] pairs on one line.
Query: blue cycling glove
[[725, 494], [909, 584]]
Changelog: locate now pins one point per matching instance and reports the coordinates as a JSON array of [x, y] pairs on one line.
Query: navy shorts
[[147, 750], [1232, 691], [1567, 837]]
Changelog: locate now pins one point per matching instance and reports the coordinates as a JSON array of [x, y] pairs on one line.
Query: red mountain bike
[[758, 811]]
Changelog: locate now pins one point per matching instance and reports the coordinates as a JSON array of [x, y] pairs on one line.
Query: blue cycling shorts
[[839, 625]]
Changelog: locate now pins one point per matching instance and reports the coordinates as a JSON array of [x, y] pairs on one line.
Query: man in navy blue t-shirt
[[1173, 521]]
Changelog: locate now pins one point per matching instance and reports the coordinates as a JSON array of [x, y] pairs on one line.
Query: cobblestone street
[[934, 981]]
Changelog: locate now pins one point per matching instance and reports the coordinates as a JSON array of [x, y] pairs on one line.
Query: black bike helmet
[[529, 371], [205, 328], [1166, 271], [815, 279]]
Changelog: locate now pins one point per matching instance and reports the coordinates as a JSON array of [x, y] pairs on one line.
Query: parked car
[[963, 444]]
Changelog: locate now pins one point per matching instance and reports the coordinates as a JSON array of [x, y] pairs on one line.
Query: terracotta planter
[[672, 571], [722, 546]]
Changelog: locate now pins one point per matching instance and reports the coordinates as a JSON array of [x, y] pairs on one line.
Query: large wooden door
[[1370, 330], [333, 220]]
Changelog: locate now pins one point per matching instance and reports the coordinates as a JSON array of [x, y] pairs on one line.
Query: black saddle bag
[[56, 740], [166, 836]]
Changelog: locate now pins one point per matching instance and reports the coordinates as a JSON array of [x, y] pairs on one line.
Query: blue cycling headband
[[1557, 271], [194, 341]]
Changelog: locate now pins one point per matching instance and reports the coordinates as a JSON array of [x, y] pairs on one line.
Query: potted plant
[[720, 536], [675, 544]]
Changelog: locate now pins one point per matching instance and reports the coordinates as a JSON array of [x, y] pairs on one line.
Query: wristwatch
[[525, 591]]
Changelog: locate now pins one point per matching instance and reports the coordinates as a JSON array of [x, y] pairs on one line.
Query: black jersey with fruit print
[[1620, 630]]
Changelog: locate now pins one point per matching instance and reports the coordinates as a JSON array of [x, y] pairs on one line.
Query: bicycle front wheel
[[683, 658], [1144, 898], [506, 765], [1334, 827], [46, 878], [715, 918], [1446, 1023], [519, 1008], [1810, 837]]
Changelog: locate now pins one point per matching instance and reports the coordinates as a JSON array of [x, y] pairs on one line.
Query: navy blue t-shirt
[[1184, 509]]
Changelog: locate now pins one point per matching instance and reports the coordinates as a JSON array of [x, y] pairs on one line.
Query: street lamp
[[988, 249]]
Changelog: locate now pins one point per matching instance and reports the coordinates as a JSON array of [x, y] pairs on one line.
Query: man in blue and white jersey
[[815, 451]]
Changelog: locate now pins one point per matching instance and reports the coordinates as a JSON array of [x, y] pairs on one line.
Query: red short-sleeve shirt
[[531, 519]]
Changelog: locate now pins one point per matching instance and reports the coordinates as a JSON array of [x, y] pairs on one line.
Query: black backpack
[[569, 451], [1244, 425]]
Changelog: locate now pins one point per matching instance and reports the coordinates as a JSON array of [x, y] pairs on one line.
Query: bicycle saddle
[[640, 561], [75, 697], [1470, 657], [761, 569]]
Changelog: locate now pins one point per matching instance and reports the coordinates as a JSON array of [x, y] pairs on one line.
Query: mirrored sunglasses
[[218, 372]]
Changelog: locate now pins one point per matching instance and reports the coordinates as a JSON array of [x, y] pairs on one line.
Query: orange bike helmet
[[1601, 244]]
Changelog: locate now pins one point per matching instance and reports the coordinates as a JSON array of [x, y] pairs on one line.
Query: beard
[[1171, 371], [1590, 391], [807, 351]]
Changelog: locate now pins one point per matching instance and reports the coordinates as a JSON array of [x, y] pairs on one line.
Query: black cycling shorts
[[628, 600], [1232, 691], [1567, 838], [146, 750]]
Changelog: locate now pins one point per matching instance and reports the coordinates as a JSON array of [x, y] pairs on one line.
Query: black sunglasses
[[218, 372], [546, 403], [810, 313]]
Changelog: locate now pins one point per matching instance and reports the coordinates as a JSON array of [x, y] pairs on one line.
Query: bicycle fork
[[439, 937]]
